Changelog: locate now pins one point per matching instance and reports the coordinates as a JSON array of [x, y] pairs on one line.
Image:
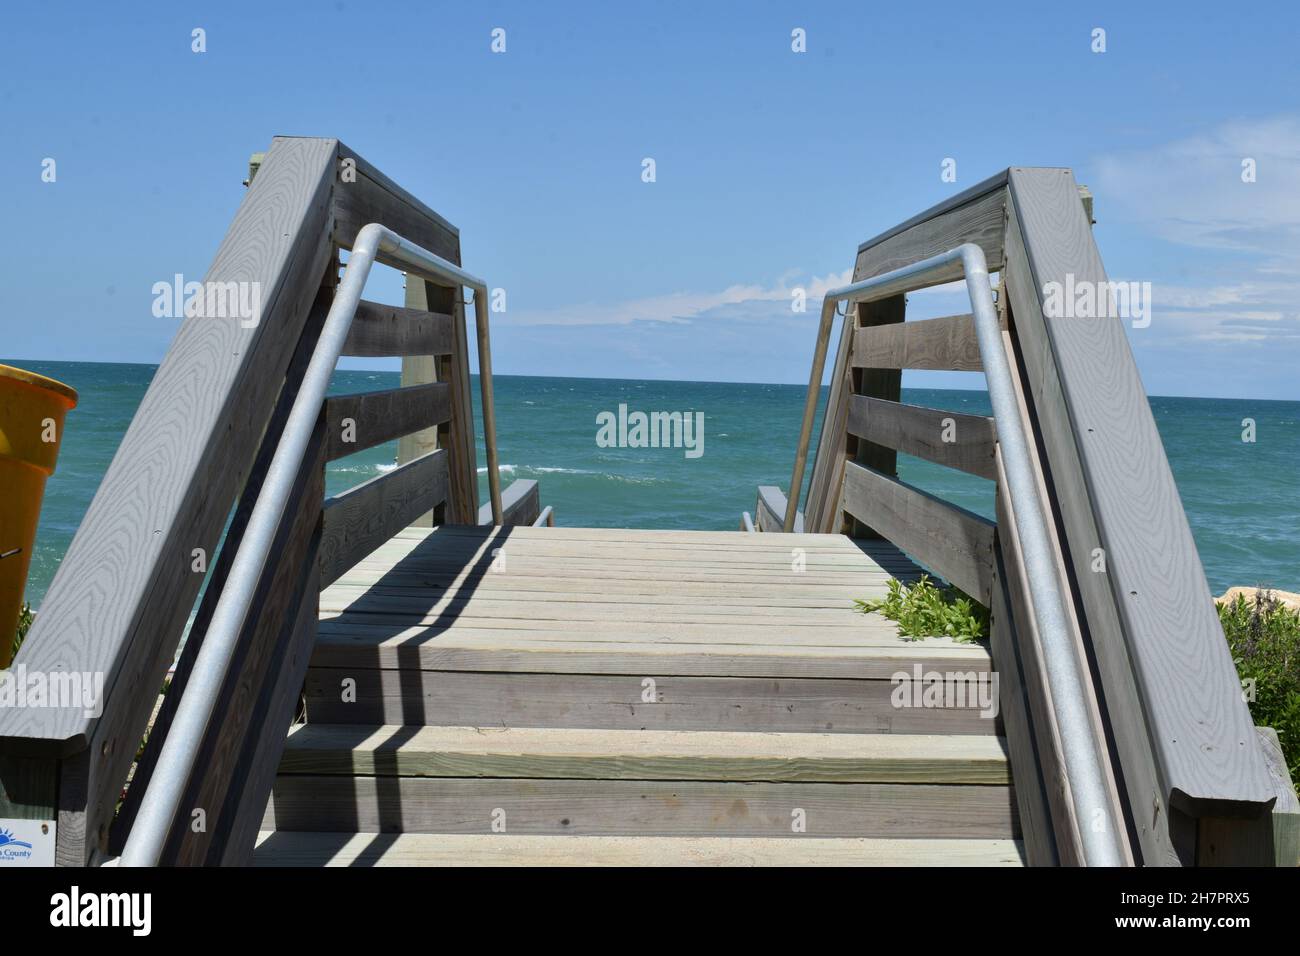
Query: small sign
[[26, 843]]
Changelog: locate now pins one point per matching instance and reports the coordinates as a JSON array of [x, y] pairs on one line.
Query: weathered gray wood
[[375, 647], [1271, 839], [125, 589], [363, 194], [456, 436], [576, 754], [28, 788], [947, 343], [1150, 613], [615, 701], [521, 504], [1286, 812], [279, 705], [290, 848], [162, 720], [885, 383], [387, 330], [770, 509], [362, 518], [916, 430], [975, 215], [1066, 822], [1018, 728], [955, 543], [377, 417], [820, 513], [640, 807], [227, 757]]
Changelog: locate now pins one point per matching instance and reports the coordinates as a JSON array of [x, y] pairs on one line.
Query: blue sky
[[771, 166]]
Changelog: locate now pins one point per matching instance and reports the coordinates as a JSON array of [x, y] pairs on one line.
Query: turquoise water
[[1241, 498]]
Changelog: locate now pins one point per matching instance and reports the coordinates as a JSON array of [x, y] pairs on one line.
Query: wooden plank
[[1150, 613], [916, 430], [1165, 838], [28, 788], [362, 518], [385, 330], [1272, 839], [521, 503], [1018, 728], [820, 513], [166, 711], [974, 215], [280, 704], [363, 194], [770, 509], [878, 383], [683, 703], [288, 848], [363, 420], [512, 751], [227, 756], [1065, 820], [955, 543], [540, 653], [124, 589], [641, 807], [456, 436], [1286, 812], [946, 343]]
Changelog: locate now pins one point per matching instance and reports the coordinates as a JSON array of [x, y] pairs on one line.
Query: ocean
[[1241, 497]]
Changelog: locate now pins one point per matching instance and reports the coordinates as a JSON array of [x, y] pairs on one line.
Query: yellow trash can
[[32, 408]]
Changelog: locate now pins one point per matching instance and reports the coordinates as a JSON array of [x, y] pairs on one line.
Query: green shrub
[[1264, 637], [25, 618], [924, 610]]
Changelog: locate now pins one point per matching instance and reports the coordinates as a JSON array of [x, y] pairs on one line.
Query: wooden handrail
[[119, 604], [1192, 769]]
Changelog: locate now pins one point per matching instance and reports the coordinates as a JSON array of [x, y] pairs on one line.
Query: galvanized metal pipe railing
[[1083, 754], [180, 750]]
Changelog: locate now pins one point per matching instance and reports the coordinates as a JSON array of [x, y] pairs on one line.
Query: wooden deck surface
[[781, 604]]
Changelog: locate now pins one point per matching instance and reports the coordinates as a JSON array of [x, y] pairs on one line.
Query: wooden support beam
[[974, 215], [947, 344], [965, 442], [125, 587], [1148, 610], [769, 510], [365, 419], [955, 543], [362, 518], [390, 330], [521, 503]]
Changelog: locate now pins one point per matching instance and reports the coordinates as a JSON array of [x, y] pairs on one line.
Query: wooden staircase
[[630, 697]]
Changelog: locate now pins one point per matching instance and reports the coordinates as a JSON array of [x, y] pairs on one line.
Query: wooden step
[[643, 755], [284, 848], [601, 783], [645, 701]]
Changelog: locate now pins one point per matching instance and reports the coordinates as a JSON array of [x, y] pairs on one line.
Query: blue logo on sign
[[7, 840]]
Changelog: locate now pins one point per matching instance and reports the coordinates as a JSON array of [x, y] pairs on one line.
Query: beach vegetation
[[1264, 637], [923, 609]]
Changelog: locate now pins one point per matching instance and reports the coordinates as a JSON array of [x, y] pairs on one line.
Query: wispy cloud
[[1247, 234], [678, 308]]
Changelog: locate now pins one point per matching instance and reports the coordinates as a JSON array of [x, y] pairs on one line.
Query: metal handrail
[[1083, 753], [180, 750]]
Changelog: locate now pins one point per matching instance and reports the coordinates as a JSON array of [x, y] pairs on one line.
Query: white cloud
[[1190, 192], [679, 307]]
